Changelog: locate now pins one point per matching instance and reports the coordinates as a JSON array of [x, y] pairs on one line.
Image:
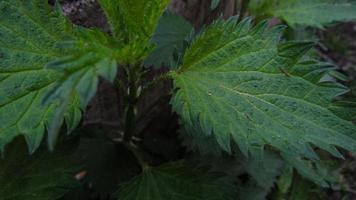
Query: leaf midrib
[[297, 116], [288, 97]]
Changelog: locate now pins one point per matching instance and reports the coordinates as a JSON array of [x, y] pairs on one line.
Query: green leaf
[[29, 34], [345, 109], [176, 182], [42, 176], [90, 55], [52, 64], [301, 189], [316, 13], [320, 172], [107, 165], [134, 19], [214, 4], [284, 182], [133, 23], [169, 38], [264, 169], [251, 191], [241, 84], [202, 143]]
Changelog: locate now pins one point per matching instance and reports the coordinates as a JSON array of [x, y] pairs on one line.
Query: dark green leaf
[[171, 32], [106, 165], [264, 169], [176, 182], [251, 191], [318, 172], [214, 4], [317, 13], [42, 176]]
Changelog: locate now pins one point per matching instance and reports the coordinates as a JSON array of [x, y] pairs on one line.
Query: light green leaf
[[43, 70], [29, 34], [133, 23], [90, 55], [176, 182], [169, 38], [134, 19], [317, 13], [42, 176], [241, 84]]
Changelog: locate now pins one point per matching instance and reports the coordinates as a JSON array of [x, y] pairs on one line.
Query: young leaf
[[42, 176], [317, 13], [240, 83], [29, 34], [134, 19], [169, 38], [133, 22], [176, 182]]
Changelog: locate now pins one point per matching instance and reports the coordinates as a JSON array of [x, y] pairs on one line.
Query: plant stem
[[130, 119], [138, 153], [132, 95], [129, 123], [120, 86]]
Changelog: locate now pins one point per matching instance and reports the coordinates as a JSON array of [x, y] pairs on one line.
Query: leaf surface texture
[[40, 76], [241, 84], [133, 24]]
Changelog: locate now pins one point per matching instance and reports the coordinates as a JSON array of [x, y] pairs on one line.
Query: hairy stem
[[131, 98], [133, 93], [138, 153]]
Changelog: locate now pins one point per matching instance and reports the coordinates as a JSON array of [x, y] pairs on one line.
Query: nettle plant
[[259, 113]]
